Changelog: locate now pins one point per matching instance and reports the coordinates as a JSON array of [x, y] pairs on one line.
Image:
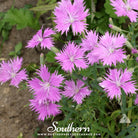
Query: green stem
[[130, 111], [124, 118], [92, 10], [123, 104], [13, 4]]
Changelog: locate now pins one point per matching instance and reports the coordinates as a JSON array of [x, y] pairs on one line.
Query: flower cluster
[[126, 8], [12, 71], [46, 93], [107, 48]]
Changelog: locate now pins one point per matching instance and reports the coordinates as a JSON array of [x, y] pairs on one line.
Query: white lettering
[[70, 128], [53, 127]]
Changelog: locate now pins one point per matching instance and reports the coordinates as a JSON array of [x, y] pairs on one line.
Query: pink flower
[[109, 49], [77, 91], [134, 51], [71, 56], [136, 100], [126, 8], [90, 41], [110, 26], [45, 109], [137, 59], [46, 88], [46, 93], [88, 45], [116, 80], [12, 71], [44, 39], [68, 14]]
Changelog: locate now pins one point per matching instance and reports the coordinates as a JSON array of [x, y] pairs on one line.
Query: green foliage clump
[[22, 18]]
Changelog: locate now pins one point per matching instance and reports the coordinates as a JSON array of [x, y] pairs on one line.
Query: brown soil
[[15, 118]]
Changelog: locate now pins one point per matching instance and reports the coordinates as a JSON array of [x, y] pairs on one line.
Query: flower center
[[71, 59], [76, 90], [40, 39], [111, 50], [71, 19], [128, 8], [46, 85], [118, 83], [43, 102], [13, 75]]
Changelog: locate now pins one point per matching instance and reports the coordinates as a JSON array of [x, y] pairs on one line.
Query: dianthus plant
[[90, 63]]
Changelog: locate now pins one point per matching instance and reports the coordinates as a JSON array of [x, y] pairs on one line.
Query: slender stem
[[130, 111], [13, 3], [92, 9], [123, 105]]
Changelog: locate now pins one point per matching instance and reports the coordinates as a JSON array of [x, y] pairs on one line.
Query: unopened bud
[[54, 49], [110, 26], [110, 21], [113, 27], [131, 70], [41, 59], [99, 79], [134, 51], [137, 59], [128, 44]]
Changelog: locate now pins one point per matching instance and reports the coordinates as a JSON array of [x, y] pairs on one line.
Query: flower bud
[[137, 59], [134, 51], [54, 49], [41, 59], [128, 44], [113, 27]]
